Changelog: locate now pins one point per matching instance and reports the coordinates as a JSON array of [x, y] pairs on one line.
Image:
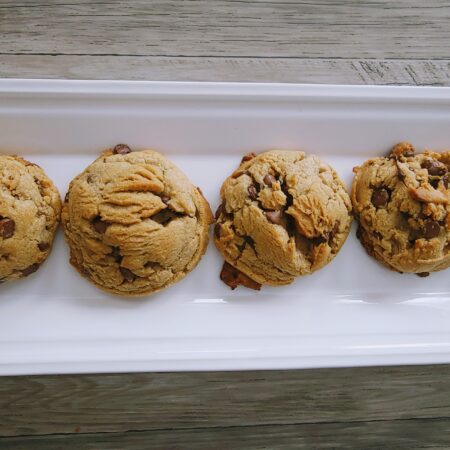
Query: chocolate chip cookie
[[134, 222], [402, 203], [283, 214], [30, 208]]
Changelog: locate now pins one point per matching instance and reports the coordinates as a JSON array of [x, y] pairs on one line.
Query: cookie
[[30, 208], [283, 214], [134, 223], [402, 203]]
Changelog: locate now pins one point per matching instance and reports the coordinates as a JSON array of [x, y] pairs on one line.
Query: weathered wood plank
[[291, 70], [111, 403], [396, 434], [240, 28]]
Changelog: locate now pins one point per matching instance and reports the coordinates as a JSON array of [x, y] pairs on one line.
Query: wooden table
[[322, 41]]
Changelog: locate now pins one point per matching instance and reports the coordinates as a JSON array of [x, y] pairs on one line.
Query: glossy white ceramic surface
[[352, 312]]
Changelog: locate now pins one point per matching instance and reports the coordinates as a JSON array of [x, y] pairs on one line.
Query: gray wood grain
[[289, 70], [395, 434], [124, 402], [240, 28]]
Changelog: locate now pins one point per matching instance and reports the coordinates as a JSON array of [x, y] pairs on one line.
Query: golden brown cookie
[[402, 203], [134, 222], [30, 208], [283, 214]]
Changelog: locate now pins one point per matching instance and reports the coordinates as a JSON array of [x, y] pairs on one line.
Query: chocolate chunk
[[423, 274], [121, 149], [333, 232], [217, 230], [115, 252], [434, 182], [274, 217], [99, 225], [380, 197], [233, 278], [66, 197], [249, 241], [422, 215], [7, 227], [377, 235], [269, 180], [248, 157], [31, 269], [85, 272], [252, 192], [43, 246], [431, 229], [165, 216], [218, 211], [435, 168], [319, 240], [127, 274]]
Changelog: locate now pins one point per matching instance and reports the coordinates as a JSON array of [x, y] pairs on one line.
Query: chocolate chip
[[252, 192], [274, 217], [66, 197], [248, 157], [43, 246], [127, 274], [380, 197], [99, 225], [165, 199], [121, 149], [423, 274], [115, 252], [435, 168], [269, 180], [31, 269], [431, 229], [7, 227], [233, 277], [217, 230]]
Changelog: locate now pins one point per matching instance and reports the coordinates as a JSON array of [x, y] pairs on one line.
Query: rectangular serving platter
[[351, 313]]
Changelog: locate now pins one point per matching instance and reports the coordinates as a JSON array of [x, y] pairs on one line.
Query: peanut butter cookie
[[134, 222], [30, 208], [402, 203], [283, 214]]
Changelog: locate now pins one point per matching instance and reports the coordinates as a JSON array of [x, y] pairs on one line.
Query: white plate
[[352, 312]]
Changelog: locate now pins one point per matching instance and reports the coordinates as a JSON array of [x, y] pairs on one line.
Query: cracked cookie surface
[[134, 222], [402, 203], [30, 208], [283, 214]]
